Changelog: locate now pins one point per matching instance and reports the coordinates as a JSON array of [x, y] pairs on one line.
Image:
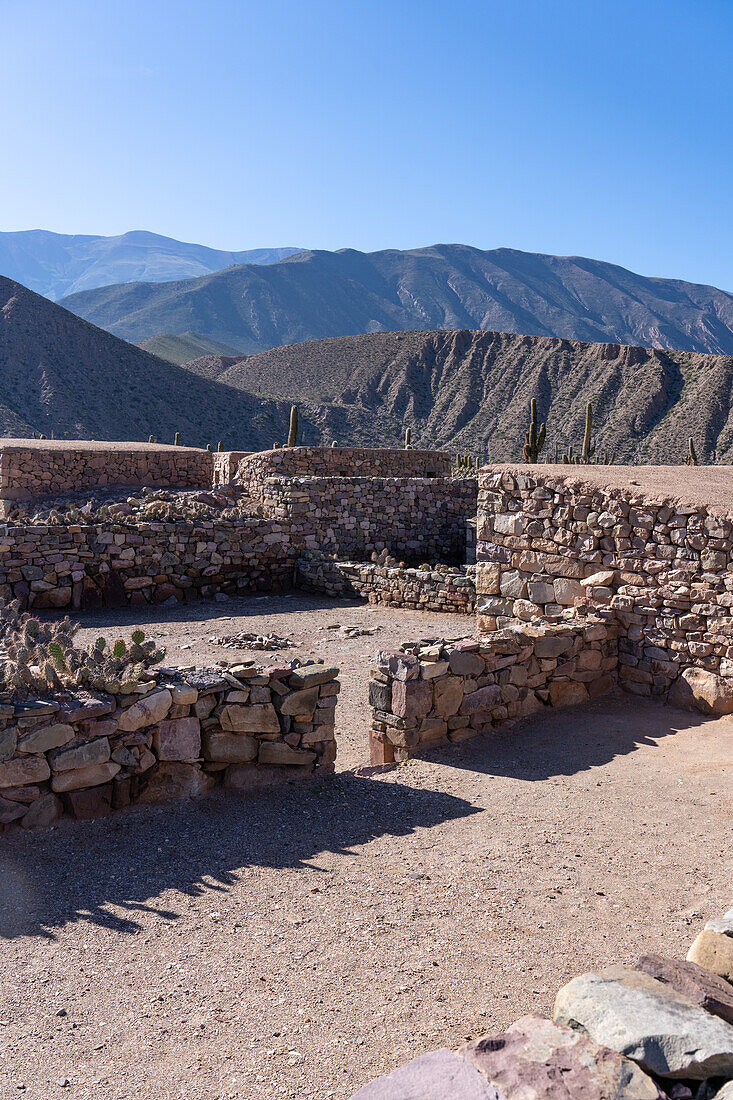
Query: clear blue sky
[[593, 127]]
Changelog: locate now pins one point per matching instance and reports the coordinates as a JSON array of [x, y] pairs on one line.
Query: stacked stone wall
[[416, 589], [254, 470], [549, 541], [179, 737], [113, 564], [415, 519], [37, 468], [226, 463], [423, 695]]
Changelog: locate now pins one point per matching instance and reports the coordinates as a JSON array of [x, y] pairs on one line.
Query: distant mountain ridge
[[57, 264], [319, 294]]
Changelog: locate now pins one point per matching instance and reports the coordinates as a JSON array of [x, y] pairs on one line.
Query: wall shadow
[[77, 870], [569, 740]]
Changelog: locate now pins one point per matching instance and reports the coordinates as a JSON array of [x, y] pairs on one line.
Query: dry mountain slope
[[321, 294], [60, 374], [470, 391]]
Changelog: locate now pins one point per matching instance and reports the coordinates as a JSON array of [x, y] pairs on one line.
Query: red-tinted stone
[[703, 987], [438, 1075]]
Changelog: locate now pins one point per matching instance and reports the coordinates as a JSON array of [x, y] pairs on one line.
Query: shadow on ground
[[75, 872], [569, 740]]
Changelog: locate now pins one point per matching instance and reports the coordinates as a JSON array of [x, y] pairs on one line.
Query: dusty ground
[[298, 942]]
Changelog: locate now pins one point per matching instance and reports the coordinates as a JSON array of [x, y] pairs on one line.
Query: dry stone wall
[[425, 694], [547, 541], [37, 468], [114, 564], [180, 736], [416, 519], [254, 470], [440, 589]]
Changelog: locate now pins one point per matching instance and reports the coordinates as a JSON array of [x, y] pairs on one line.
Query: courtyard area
[[299, 941]]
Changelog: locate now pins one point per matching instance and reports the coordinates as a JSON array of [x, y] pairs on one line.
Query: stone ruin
[[583, 582]]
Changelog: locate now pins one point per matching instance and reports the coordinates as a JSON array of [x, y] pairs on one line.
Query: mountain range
[[464, 390], [56, 264], [311, 295]]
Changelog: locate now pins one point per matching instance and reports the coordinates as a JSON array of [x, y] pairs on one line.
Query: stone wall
[[116, 563], [254, 470], [431, 693], [548, 540], [415, 519], [443, 589], [180, 736], [32, 468], [226, 464]]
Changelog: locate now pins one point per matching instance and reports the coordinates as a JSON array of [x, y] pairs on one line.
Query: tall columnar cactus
[[221, 445], [691, 459], [408, 438], [151, 439], [293, 433], [177, 440], [534, 439], [588, 449]]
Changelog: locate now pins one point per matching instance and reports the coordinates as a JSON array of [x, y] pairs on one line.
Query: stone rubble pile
[[180, 735], [428, 693], [247, 640], [223, 503], [660, 1029]]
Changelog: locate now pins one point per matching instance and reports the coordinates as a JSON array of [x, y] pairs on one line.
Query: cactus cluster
[[41, 657]]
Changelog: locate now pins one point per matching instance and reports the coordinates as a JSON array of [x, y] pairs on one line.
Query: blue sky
[[594, 128]]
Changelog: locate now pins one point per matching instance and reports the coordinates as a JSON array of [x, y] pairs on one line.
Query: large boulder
[[535, 1059], [698, 689], [649, 1022], [146, 712]]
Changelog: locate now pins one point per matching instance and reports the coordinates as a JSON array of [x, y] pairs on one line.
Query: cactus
[[177, 439], [568, 458], [408, 438], [691, 459], [293, 431], [220, 448], [151, 439], [208, 446], [588, 449], [534, 439]]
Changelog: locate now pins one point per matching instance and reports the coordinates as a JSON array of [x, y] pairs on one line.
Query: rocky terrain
[[62, 375], [55, 264], [186, 346], [318, 294], [470, 391]]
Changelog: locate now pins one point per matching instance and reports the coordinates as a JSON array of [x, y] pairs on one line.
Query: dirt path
[[295, 943]]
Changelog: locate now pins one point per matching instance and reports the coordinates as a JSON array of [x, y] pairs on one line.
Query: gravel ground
[[300, 941]]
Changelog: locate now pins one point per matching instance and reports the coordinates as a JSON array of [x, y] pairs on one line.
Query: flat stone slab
[[536, 1059], [439, 1075], [707, 990], [649, 1022]]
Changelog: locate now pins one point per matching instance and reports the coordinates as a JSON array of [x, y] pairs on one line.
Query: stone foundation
[[423, 695], [181, 736], [254, 470]]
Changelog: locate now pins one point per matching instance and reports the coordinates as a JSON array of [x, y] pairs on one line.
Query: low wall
[[340, 462], [614, 535], [87, 754], [32, 468], [416, 519], [117, 563], [427, 694], [420, 589]]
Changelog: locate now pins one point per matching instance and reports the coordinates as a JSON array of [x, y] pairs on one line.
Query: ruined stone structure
[[443, 588], [180, 736], [39, 467]]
